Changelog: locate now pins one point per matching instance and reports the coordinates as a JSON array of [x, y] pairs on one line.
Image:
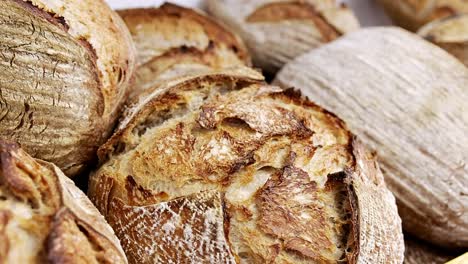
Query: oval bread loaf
[[449, 33], [173, 41], [278, 31], [224, 168], [406, 99], [64, 71], [45, 218], [412, 14]]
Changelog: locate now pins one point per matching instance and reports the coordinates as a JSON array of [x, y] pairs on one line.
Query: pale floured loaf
[[173, 41], [277, 31], [65, 66], [406, 99], [223, 168], [45, 218]]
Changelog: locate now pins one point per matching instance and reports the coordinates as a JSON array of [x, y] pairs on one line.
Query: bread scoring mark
[[284, 11], [222, 144], [189, 229]]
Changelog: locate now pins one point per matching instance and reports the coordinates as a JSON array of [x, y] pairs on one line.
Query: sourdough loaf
[[406, 99], [45, 218], [64, 70], [277, 31], [449, 33], [223, 168], [173, 41], [412, 14]]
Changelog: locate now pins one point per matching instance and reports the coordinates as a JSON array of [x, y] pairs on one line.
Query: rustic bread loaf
[[450, 34], [44, 218], [412, 14], [172, 41], [64, 70], [406, 99], [277, 31], [223, 168]]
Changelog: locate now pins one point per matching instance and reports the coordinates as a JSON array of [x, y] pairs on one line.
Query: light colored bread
[[450, 34], [173, 41], [406, 99], [63, 76], [277, 31], [412, 14], [45, 218], [223, 168]]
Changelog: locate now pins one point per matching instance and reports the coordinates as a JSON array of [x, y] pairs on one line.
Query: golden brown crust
[[43, 216], [70, 77], [412, 14], [172, 37], [276, 163], [280, 11]]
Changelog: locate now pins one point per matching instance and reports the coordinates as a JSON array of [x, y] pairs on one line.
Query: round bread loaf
[[277, 31], [173, 41], [64, 71], [406, 99], [223, 168], [45, 218], [449, 33], [412, 14]]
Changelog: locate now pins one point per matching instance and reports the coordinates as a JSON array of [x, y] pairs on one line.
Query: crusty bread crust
[[412, 14], [226, 168], [173, 41], [63, 77], [277, 31], [44, 217]]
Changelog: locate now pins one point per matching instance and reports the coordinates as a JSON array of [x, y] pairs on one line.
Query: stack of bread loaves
[[209, 163]]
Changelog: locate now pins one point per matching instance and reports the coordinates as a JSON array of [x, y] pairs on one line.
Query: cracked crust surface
[[226, 168], [276, 31], [172, 41], [44, 217], [62, 77]]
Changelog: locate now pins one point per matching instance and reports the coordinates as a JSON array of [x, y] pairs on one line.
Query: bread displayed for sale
[[223, 168], [419, 252], [277, 31], [450, 34], [64, 71], [412, 14], [172, 41], [406, 99], [45, 218]]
